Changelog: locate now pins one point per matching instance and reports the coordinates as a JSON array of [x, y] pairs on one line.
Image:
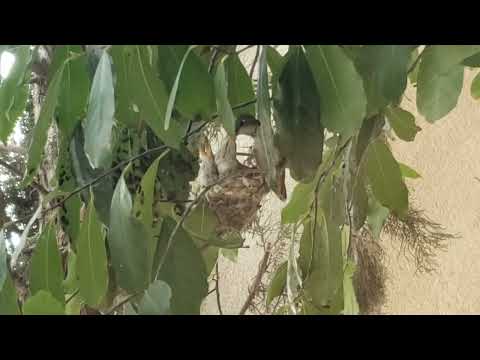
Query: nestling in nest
[[236, 190]]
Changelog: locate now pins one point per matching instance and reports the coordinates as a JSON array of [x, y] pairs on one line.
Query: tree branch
[[217, 289], [16, 172], [262, 268]]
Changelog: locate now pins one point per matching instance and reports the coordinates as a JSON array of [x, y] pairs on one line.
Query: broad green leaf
[[184, 270], [342, 96], [359, 201], [278, 282], [408, 172], [70, 283], [173, 91], [384, 72], [438, 95], [240, 86], [440, 78], [230, 254], [8, 298], [40, 131], [92, 259], [85, 174], [150, 96], [210, 256], [201, 222], [297, 115], [385, 178], [74, 306], [413, 75], [195, 97], [475, 87], [43, 303], [299, 204], [122, 58], [403, 123], [3, 258], [129, 242], [99, 122], [144, 200], [224, 107], [156, 299], [75, 87], [350, 300], [46, 271], [14, 92], [267, 155], [472, 61], [377, 214], [275, 62]]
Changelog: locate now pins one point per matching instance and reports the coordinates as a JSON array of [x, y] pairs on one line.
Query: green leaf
[[201, 222], [278, 283], [173, 91], [92, 259], [3, 258], [475, 87], [299, 204], [413, 75], [350, 300], [43, 303], [74, 306], [156, 299], [408, 172], [438, 95], [70, 283], [75, 87], [129, 242], [230, 254], [359, 201], [440, 78], [8, 298], [195, 97], [14, 92], [144, 200], [224, 107], [297, 114], [46, 271], [122, 58], [99, 121], [384, 72], [210, 256], [40, 131], [472, 61], [184, 269], [386, 179], [150, 96], [403, 123], [267, 155], [275, 62], [342, 96], [240, 86], [376, 216]]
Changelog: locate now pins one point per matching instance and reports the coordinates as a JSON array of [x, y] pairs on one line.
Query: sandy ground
[[446, 156]]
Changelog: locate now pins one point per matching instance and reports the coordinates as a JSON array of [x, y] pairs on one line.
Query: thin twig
[[245, 48], [258, 278], [217, 289]]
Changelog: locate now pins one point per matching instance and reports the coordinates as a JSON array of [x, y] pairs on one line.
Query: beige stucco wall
[[446, 154]]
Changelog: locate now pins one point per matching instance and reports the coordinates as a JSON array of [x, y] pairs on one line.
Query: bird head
[[247, 125]]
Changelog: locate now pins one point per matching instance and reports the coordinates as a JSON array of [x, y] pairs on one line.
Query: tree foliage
[[119, 231]]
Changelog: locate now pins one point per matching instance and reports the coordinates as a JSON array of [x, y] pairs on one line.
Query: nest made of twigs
[[237, 199]]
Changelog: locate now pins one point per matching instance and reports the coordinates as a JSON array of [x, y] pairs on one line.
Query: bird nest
[[236, 199]]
